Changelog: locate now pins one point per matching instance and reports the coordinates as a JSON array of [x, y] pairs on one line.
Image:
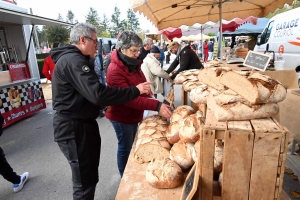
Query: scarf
[[131, 63]]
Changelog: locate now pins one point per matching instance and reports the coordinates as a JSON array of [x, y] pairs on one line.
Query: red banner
[[21, 112]]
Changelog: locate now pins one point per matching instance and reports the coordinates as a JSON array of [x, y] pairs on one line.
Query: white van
[[282, 35]]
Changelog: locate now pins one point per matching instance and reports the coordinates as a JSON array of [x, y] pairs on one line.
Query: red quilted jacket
[[118, 75]]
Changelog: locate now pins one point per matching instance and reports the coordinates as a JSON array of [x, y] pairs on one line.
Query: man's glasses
[[135, 51], [91, 39]]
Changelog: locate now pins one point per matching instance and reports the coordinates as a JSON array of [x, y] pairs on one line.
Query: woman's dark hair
[[55, 44]]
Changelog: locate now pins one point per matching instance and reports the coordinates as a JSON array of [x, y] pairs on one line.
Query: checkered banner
[[21, 101]]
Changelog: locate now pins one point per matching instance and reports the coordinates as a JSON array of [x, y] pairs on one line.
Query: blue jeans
[[102, 77], [125, 134]]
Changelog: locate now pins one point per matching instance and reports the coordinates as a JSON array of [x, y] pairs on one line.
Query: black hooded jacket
[[76, 90]]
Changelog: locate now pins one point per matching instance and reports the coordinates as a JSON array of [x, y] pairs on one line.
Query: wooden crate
[[254, 158]]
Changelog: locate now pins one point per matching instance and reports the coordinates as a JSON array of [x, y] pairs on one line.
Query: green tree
[[132, 21], [117, 25], [93, 18], [295, 4], [60, 18], [211, 34], [57, 34], [70, 17], [104, 25]]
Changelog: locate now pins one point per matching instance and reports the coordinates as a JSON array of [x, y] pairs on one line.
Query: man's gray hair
[[128, 39], [81, 29], [147, 41]]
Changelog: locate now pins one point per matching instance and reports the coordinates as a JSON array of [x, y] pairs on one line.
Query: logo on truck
[[295, 42], [286, 28]]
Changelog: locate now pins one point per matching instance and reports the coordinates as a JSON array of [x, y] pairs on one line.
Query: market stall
[[21, 93]]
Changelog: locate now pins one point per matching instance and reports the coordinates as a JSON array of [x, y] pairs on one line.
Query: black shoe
[[101, 115]]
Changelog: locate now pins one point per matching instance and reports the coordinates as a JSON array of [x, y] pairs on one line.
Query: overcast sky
[[80, 8]]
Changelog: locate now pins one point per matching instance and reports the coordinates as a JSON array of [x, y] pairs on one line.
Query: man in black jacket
[[145, 50], [185, 56], [77, 95]]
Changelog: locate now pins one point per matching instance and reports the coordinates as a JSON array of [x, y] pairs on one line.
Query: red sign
[[21, 112], [18, 71], [281, 50]]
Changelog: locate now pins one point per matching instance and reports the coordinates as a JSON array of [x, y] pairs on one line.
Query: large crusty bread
[[181, 153], [181, 112], [164, 173], [211, 76], [200, 93], [239, 110], [151, 132], [172, 132], [155, 118], [190, 130], [256, 88], [147, 152], [189, 85], [158, 141]]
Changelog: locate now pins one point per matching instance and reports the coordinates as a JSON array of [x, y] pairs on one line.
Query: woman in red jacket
[[205, 47], [49, 65], [125, 71]]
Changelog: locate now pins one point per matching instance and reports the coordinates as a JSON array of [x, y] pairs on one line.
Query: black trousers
[[6, 171], [83, 155]]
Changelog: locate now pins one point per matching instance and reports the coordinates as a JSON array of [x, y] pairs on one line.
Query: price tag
[[190, 184], [257, 60]]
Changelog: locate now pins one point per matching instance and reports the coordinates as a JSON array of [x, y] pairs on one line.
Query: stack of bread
[[233, 95], [187, 75]]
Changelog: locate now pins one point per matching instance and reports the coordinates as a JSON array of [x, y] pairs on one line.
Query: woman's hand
[[165, 111], [144, 88]]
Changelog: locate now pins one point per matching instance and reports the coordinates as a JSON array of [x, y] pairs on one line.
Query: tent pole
[[220, 35], [202, 42]]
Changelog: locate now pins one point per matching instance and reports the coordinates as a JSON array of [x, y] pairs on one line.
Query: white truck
[[282, 36], [21, 93]]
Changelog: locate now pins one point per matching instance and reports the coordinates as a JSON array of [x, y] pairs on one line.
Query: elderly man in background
[[185, 57], [153, 72], [77, 96], [148, 42]]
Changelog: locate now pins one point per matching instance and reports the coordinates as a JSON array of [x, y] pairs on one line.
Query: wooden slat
[[184, 97], [240, 125], [265, 125], [207, 144], [220, 134], [264, 165], [212, 123], [236, 164]]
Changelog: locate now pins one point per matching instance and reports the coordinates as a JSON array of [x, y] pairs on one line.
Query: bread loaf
[[147, 152], [239, 110], [190, 84], [190, 130], [157, 141], [196, 151], [211, 76], [164, 173], [172, 132], [181, 153], [155, 118], [256, 88], [181, 112], [151, 132], [199, 94], [155, 125], [179, 79]]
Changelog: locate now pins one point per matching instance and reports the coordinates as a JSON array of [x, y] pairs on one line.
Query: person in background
[[200, 46], [205, 49], [99, 67], [49, 65], [148, 42], [185, 56], [108, 60], [153, 72], [6, 170], [211, 49], [162, 55], [77, 96], [125, 71]]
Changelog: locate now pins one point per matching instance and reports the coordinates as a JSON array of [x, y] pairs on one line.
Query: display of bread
[[200, 93], [181, 112], [162, 141], [256, 88], [164, 173], [231, 106], [181, 153], [172, 132], [211, 76], [186, 75], [190, 130], [151, 132]]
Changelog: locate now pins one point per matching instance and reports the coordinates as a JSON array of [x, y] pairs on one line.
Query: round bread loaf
[[181, 153], [172, 132], [158, 141], [153, 124], [164, 173], [156, 118], [179, 79], [181, 112], [190, 130], [218, 158], [190, 84], [151, 132], [147, 152]]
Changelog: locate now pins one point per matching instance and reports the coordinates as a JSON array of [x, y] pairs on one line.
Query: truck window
[[267, 33]]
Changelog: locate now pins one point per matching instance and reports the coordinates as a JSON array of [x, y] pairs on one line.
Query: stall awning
[[15, 17]]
